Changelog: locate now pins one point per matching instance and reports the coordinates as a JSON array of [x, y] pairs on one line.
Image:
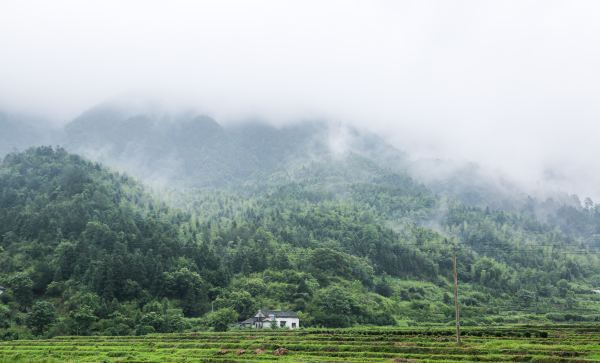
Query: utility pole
[[456, 304]]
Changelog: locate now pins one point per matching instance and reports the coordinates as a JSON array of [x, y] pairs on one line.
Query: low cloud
[[511, 85]]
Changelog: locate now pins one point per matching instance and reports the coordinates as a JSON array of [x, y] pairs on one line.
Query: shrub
[[144, 329]]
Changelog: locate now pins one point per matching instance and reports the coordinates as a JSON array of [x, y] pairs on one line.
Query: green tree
[[21, 286], [563, 287], [4, 316], [220, 320], [41, 316], [334, 307], [240, 301], [190, 287], [383, 288], [82, 319]]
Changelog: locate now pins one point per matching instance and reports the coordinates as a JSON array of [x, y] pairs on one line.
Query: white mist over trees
[[510, 85]]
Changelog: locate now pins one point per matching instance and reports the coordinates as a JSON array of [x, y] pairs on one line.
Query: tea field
[[552, 343]]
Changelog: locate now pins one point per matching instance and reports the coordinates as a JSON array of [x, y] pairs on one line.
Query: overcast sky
[[513, 85]]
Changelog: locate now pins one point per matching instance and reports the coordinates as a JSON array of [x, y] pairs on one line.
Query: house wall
[[288, 323]]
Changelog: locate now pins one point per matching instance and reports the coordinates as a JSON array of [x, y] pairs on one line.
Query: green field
[[556, 343]]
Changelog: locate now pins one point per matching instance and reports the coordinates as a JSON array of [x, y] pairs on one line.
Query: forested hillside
[[342, 240]]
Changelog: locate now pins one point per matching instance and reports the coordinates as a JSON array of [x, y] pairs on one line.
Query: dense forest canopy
[[342, 238]]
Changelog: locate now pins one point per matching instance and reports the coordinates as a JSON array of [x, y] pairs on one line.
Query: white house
[[265, 319]]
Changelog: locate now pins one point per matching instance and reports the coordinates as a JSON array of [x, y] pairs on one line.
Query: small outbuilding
[[266, 319]]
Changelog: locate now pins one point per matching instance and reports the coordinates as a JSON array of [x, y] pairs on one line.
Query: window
[[282, 323], [293, 325]]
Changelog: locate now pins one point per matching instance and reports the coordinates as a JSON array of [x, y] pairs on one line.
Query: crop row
[[557, 344], [240, 354]]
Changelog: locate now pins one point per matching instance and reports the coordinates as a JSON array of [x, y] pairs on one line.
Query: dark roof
[[248, 321], [280, 314]]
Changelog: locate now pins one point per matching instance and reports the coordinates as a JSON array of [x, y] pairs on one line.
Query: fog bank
[[511, 85]]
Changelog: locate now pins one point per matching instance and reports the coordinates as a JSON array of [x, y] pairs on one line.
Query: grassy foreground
[[554, 343]]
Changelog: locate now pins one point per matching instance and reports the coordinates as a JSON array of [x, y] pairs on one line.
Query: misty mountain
[[187, 150], [183, 150], [195, 151]]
